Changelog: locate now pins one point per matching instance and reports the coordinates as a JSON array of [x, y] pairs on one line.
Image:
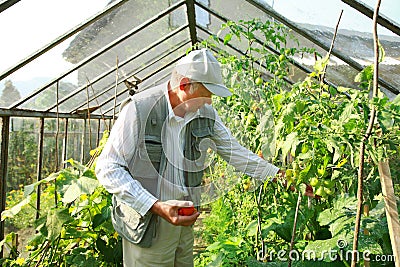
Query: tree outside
[[9, 95]]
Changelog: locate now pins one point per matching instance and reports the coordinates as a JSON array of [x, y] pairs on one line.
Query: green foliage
[[311, 129], [78, 230], [22, 154], [340, 219]]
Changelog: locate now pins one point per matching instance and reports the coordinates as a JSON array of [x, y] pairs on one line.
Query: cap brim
[[218, 89]]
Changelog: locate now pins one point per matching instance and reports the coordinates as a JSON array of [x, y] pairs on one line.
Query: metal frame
[[101, 51], [193, 36], [123, 63], [61, 38], [369, 12], [148, 64], [191, 15], [39, 165], [307, 35], [43, 114], [5, 137], [144, 79], [6, 4]]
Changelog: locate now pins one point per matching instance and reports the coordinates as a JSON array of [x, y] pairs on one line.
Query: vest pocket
[[202, 132], [147, 164], [200, 144], [154, 150]]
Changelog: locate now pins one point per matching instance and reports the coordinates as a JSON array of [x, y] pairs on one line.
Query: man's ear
[[184, 82]]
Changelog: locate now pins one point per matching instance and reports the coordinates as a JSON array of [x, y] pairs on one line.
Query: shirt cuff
[[144, 202], [270, 171]]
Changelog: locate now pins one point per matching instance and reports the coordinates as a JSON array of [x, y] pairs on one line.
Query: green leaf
[[327, 216], [83, 185], [106, 212], [98, 219], [346, 113], [290, 143], [320, 64], [76, 164], [55, 220], [319, 248], [217, 261], [368, 243], [7, 240], [227, 38], [277, 100], [107, 251], [333, 147], [251, 228], [341, 223], [214, 246], [381, 53], [29, 189], [10, 213], [365, 76], [89, 173]]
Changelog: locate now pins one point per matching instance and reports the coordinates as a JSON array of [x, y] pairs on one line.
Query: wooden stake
[[392, 215]]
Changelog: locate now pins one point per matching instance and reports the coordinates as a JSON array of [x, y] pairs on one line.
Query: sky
[[29, 25], [326, 12]]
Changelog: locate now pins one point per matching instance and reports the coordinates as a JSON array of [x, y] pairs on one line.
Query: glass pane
[[32, 24], [354, 40], [61, 59]]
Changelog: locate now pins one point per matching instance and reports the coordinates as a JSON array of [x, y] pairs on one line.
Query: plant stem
[[365, 139], [331, 48], [294, 228], [259, 220]]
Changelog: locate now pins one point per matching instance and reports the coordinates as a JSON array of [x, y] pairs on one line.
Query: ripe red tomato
[[187, 211]]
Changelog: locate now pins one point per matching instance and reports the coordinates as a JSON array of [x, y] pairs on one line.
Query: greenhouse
[[313, 92]]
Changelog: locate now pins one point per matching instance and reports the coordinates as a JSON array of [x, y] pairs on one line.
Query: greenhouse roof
[[93, 66]]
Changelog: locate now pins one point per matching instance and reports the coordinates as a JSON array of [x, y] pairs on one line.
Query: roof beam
[[6, 4], [191, 15], [61, 38], [101, 51], [144, 79], [270, 48], [273, 50], [123, 63], [149, 86], [44, 114], [369, 12], [146, 65], [294, 26], [239, 51]]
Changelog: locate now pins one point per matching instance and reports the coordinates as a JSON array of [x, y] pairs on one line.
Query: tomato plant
[[309, 128]]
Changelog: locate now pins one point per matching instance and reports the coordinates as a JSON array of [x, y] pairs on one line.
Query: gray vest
[[150, 160]]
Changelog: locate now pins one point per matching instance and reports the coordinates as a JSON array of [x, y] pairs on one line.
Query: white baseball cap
[[201, 66]]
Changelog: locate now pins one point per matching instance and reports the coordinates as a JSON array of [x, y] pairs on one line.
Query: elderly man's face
[[194, 101]]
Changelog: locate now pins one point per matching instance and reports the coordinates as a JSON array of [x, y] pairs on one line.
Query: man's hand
[[281, 173], [169, 211]]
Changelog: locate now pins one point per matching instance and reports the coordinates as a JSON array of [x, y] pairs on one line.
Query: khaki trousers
[[171, 247]]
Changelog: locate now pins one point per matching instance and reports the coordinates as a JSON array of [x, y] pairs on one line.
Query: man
[[154, 159]]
